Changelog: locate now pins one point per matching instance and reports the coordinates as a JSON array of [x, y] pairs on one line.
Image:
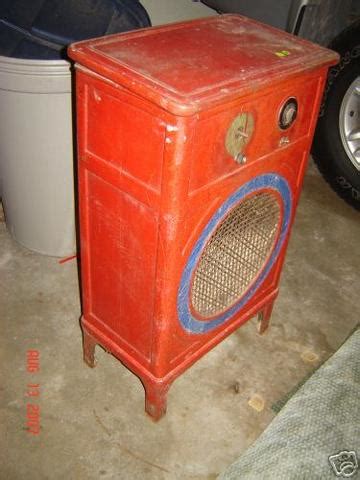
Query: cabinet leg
[[264, 318], [89, 344], [156, 399]]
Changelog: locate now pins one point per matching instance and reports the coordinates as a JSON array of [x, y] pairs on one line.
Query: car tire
[[336, 147]]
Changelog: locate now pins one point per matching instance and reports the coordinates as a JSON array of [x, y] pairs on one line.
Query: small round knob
[[240, 158]]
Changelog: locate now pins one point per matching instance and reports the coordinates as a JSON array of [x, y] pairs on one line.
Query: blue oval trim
[[267, 181]]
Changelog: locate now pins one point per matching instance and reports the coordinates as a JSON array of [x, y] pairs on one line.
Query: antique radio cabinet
[[193, 140]]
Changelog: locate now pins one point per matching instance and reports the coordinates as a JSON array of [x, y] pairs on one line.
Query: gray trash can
[[36, 154], [36, 140]]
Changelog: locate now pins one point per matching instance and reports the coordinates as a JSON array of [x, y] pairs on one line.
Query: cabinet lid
[[190, 66]]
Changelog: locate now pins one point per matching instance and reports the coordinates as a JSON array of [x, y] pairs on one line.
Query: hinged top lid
[[190, 66]]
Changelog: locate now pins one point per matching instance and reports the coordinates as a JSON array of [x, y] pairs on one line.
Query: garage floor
[[92, 421]]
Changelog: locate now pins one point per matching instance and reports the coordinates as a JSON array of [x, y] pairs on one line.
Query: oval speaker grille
[[235, 254]]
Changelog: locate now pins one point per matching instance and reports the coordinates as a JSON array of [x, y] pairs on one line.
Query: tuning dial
[[288, 113], [239, 135]]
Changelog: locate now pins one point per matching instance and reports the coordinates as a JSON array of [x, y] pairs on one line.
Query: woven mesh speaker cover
[[235, 254]]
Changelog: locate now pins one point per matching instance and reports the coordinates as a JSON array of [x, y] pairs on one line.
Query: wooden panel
[[125, 136], [121, 293]]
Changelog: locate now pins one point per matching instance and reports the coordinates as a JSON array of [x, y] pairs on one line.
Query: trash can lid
[[41, 29]]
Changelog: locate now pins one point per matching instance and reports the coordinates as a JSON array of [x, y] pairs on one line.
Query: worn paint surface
[[154, 108], [190, 66]]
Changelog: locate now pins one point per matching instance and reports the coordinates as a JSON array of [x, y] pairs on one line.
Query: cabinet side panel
[[122, 266], [119, 213]]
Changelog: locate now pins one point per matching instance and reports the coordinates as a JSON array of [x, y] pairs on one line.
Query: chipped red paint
[[154, 108]]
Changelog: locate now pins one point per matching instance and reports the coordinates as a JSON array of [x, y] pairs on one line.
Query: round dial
[[288, 113], [239, 133]]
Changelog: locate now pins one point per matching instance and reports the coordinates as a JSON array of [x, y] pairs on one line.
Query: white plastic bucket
[[36, 154]]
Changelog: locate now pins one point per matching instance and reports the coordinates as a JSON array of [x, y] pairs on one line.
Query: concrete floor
[[92, 421]]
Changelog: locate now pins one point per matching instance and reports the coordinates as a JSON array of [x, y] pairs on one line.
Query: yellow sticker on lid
[[282, 53]]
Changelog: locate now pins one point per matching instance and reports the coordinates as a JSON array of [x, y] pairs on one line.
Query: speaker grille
[[235, 254]]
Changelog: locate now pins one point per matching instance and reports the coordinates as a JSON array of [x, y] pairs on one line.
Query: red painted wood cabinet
[[193, 140]]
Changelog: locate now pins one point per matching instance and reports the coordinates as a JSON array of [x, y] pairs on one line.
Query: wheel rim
[[349, 122]]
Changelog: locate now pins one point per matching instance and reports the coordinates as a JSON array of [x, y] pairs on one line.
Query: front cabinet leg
[[156, 399]]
